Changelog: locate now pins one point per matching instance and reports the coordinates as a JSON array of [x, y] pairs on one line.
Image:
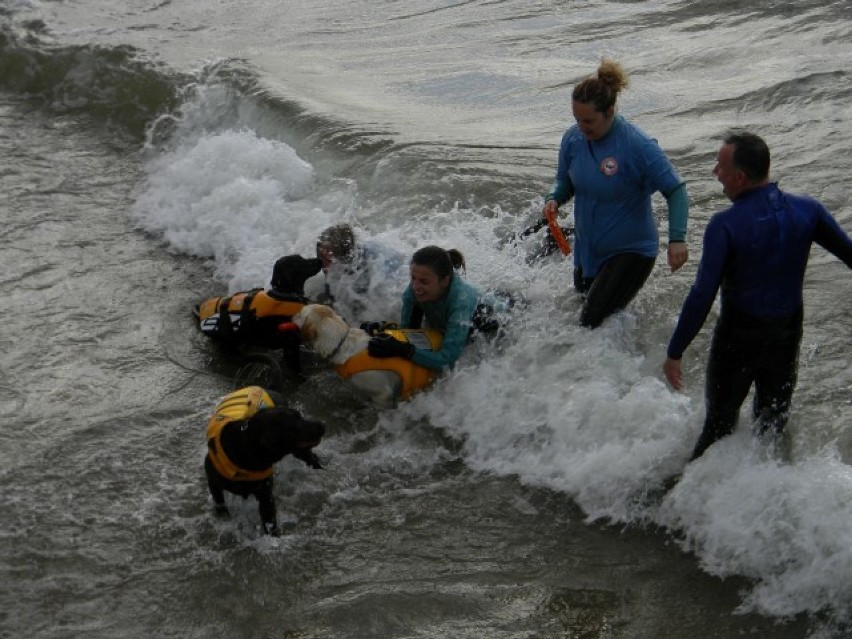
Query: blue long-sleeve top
[[452, 315], [757, 251], [612, 181]]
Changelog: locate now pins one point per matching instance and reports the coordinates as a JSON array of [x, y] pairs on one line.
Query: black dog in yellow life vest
[[248, 433]]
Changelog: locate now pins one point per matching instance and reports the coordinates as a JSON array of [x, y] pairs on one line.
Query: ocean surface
[[156, 153]]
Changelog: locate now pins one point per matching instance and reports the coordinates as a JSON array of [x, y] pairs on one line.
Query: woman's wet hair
[[601, 90], [340, 239], [443, 262], [751, 155], [457, 260]]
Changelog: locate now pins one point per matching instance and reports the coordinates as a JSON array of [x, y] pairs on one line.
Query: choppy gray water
[[157, 154]]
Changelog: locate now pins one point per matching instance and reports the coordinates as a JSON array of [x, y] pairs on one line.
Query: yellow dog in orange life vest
[[384, 381]]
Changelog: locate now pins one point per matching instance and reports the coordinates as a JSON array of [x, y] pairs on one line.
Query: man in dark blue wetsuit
[[756, 251]]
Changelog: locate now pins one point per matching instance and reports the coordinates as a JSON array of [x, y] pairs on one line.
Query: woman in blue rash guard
[[446, 301], [611, 168]]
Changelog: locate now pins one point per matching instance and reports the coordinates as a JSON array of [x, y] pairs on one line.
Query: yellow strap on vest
[[425, 338], [262, 304], [235, 406], [208, 308], [412, 376], [265, 305]]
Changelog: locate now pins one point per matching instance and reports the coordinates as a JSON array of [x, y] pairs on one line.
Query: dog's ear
[[324, 312], [309, 329]]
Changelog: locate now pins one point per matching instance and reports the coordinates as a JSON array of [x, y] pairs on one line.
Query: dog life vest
[[225, 316], [236, 406], [413, 377]]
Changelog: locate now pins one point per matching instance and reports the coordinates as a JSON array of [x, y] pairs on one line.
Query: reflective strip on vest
[[261, 304]]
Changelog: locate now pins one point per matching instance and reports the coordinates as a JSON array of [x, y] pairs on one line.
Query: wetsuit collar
[[757, 191]]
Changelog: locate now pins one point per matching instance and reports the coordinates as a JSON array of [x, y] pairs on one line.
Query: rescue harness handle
[[556, 233]]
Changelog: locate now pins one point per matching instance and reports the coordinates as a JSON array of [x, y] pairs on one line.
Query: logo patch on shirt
[[609, 166]]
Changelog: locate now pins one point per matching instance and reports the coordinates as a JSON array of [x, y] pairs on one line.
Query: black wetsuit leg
[[728, 379], [615, 285], [775, 378], [746, 351]]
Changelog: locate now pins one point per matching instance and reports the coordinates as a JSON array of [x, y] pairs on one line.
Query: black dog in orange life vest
[[248, 433], [250, 319]]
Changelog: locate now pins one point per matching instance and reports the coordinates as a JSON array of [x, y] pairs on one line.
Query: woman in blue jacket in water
[[448, 303], [611, 168]]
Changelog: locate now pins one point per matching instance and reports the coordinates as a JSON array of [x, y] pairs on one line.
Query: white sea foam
[[232, 197], [553, 404], [787, 526]]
